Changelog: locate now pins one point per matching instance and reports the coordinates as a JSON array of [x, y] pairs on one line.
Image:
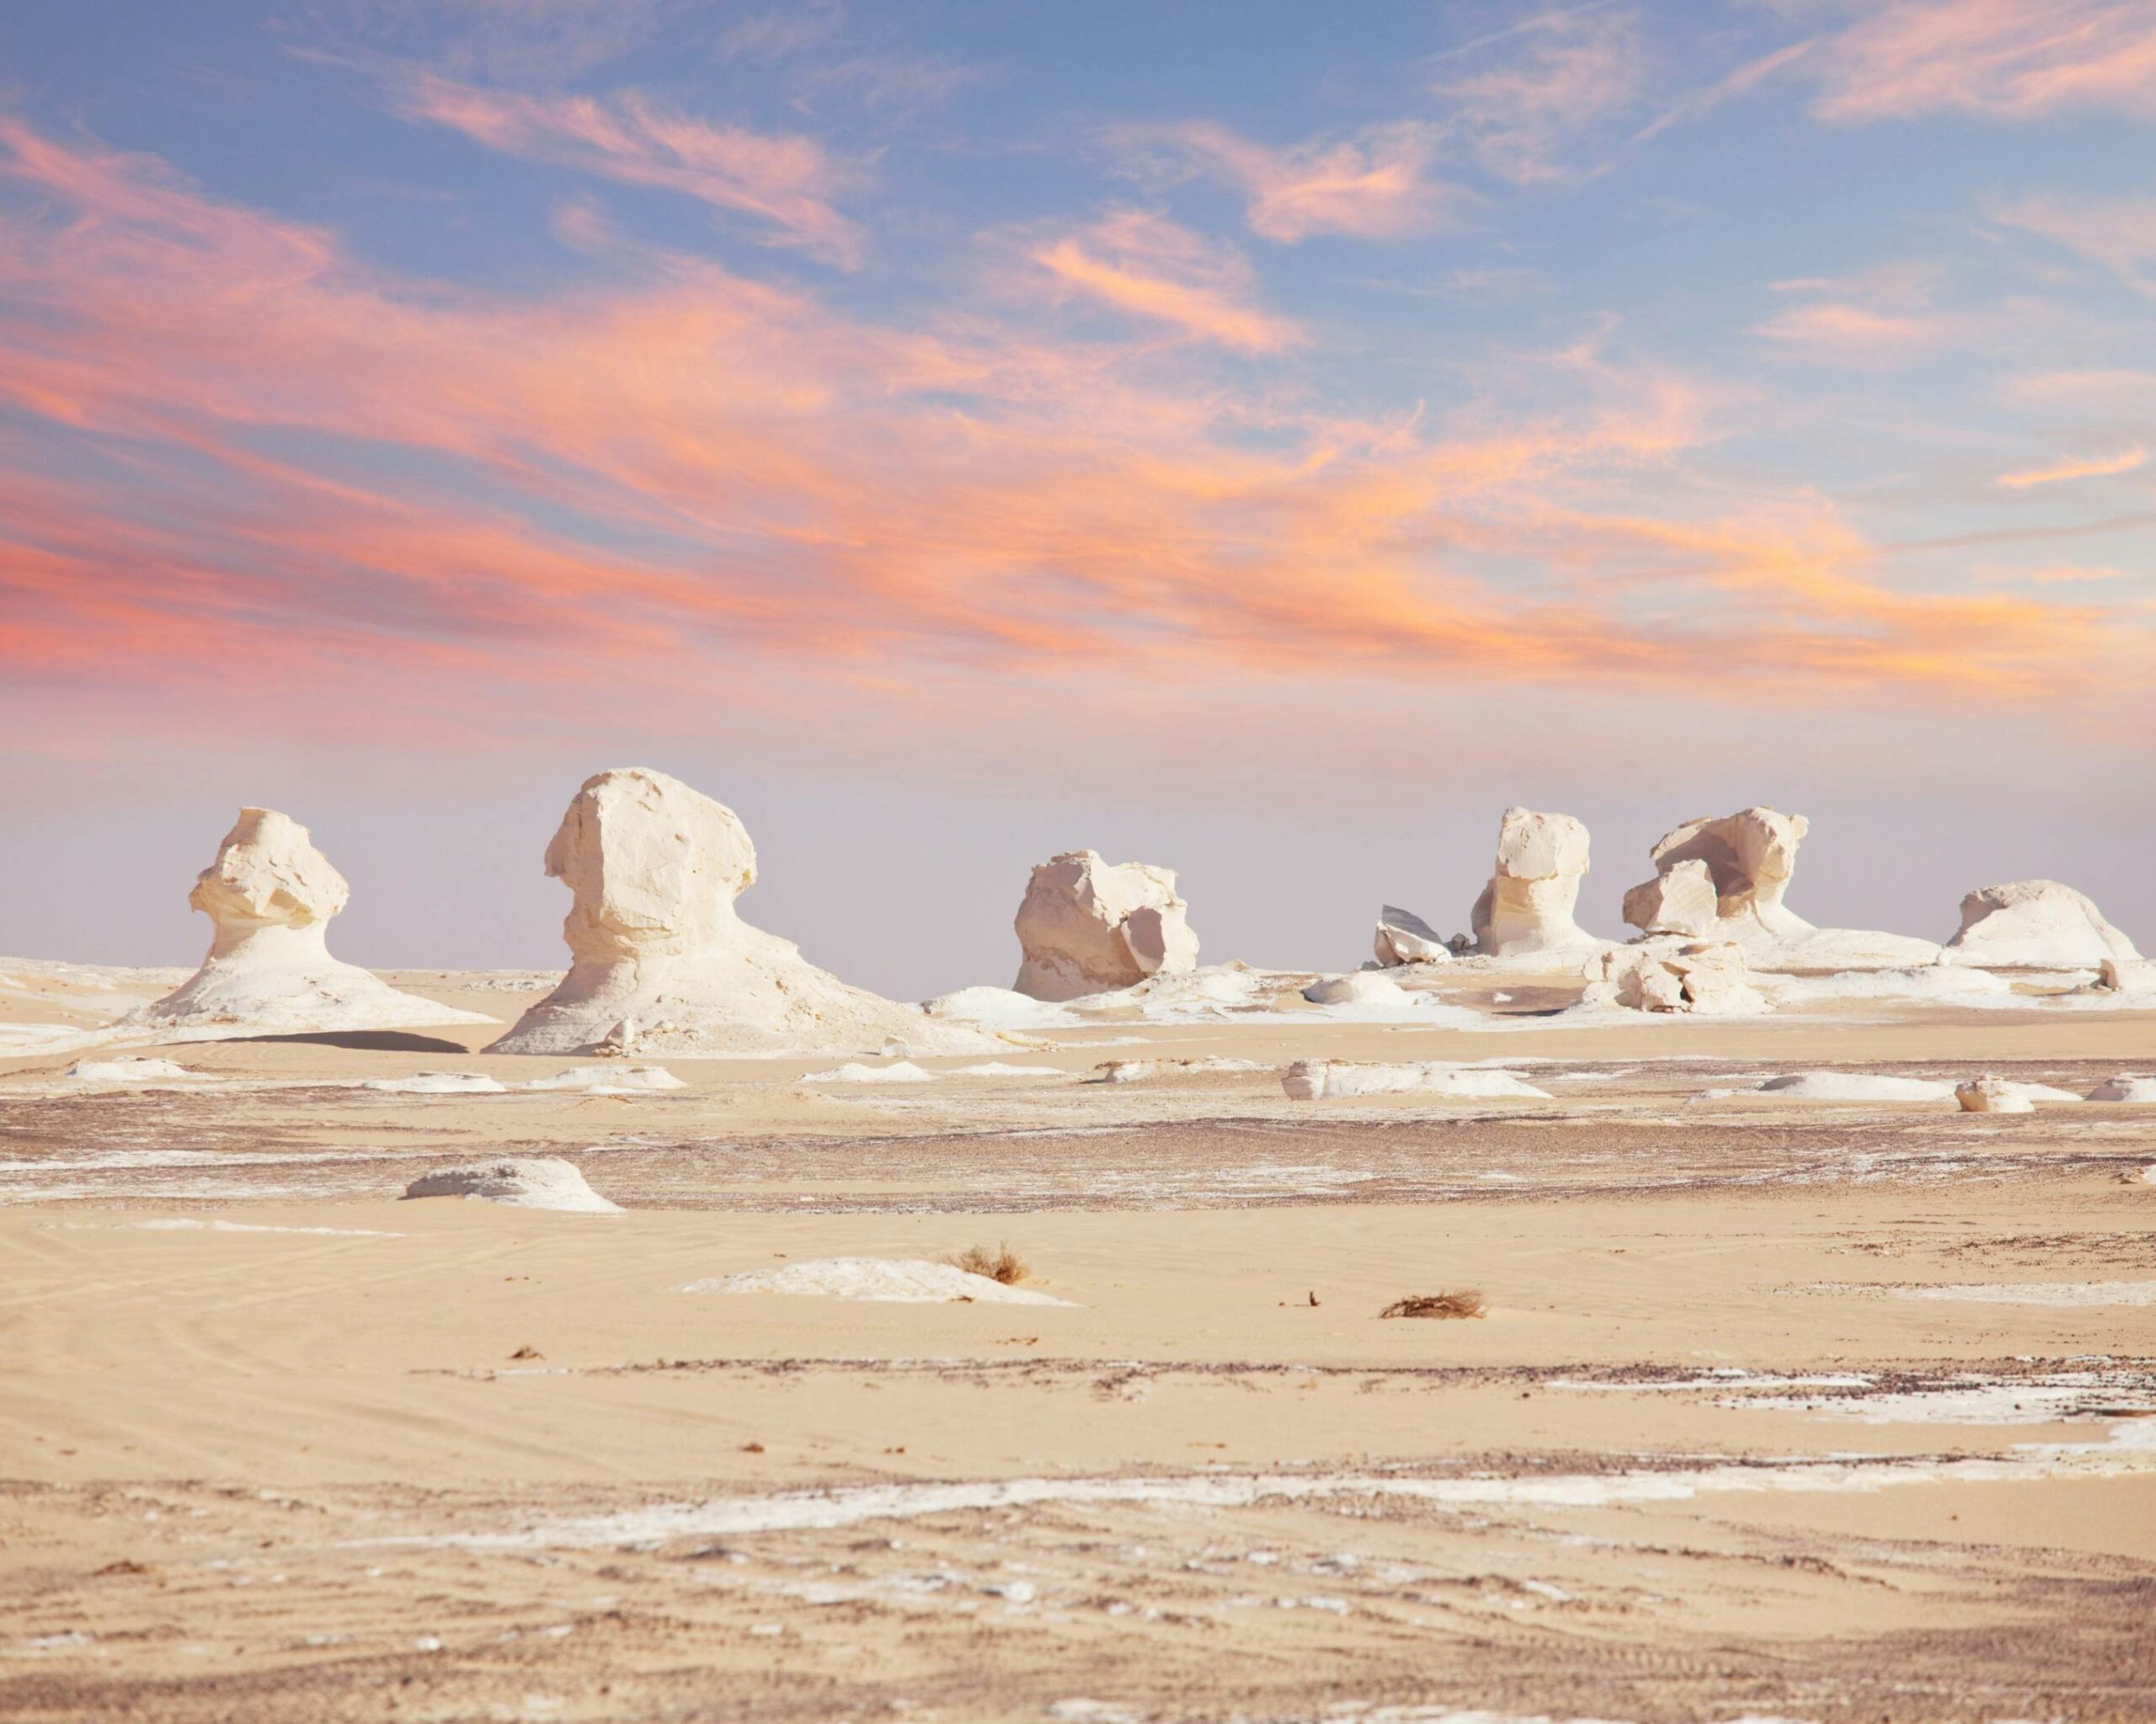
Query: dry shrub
[[1461, 1302], [1002, 1264]]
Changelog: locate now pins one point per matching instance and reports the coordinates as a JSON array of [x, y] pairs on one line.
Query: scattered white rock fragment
[[2036, 925], [1668, 972], [130, 1070], [1528, 905], [1403, 937], [439, 1083], [662, 962], [270, 897], [1325, 1080], [1088, 926], [1136, 1070], [1855, 1087], [895, 1280], [2128, 976], [2125, 1088], [853, 1071], [530, 1181]]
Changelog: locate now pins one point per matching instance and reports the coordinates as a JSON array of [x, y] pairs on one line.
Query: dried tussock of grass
[[1460, 1302], [1002, 1264]]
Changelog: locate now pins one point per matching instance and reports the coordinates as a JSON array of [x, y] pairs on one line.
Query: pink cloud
[[681, 486], [791, 183], [2096, 467], [2119, 234], [1374, 185], [2005, 59]]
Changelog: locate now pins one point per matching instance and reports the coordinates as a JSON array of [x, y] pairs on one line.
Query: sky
[[1266, 440]]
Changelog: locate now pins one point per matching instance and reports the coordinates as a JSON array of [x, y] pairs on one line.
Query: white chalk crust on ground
[[891, 1280]]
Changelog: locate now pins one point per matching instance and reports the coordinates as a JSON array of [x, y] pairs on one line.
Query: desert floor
[[1778, 1409]]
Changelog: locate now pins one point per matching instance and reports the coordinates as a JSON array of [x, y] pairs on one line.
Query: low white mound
[[1671, 974], [2131, 977], [2123, 1088], [1364, 987], [892, 1280], [2034, 925], [32, 1037], [1190, 996], [131, 1071], [853, 1071], [270, 896], [1855, 1087], [1403, 937], [1000, 1009], [996, 1068], [609, 1079], [1088, 926], [1325, 1080], [530, 1181], [662, 962], [439, 1083], [1935, 983], [1137, 1071], [1825, 950]]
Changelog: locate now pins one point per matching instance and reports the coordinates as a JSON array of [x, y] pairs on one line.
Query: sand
[[1780, 1409]]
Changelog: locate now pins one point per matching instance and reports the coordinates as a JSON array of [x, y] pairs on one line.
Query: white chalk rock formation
[[529, 1182], [270, 896], [1364, 987], [1527, 907], [439, 1083], [1990, 1095], [2124, 1088], [1088, 926], [892, 1280], [2036, 925], [127, 1069], [1326, 1079], [1403, 937], [1682, 900], [1666, 973], [1750, 857], [660, 963]]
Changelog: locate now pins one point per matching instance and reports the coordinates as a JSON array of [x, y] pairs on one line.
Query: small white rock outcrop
[[1326, 1079], [2131, 977], [528, 1181], [1089, 926], [270, 897], [889, 1280], [1990, 1095], [1747, 859], [2125, 1087], [2036, 925], [1403, 937], [1668, 972], [660, 963], [1527, 907]]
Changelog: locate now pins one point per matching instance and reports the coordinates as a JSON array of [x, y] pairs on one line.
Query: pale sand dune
[[1778, 1408]]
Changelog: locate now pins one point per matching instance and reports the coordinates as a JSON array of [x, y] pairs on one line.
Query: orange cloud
[[1149, 267], [789, 183], [1376, 185], [2005, 59], [2101, 466], [254, 457]]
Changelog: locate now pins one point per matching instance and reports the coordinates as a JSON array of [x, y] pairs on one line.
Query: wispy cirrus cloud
[[251, 449], [788, 184], [1150, 268], [1564, 74], [2118, 234], [1876, 319], [2002, 59], [1377, 183], [2090, 467]]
